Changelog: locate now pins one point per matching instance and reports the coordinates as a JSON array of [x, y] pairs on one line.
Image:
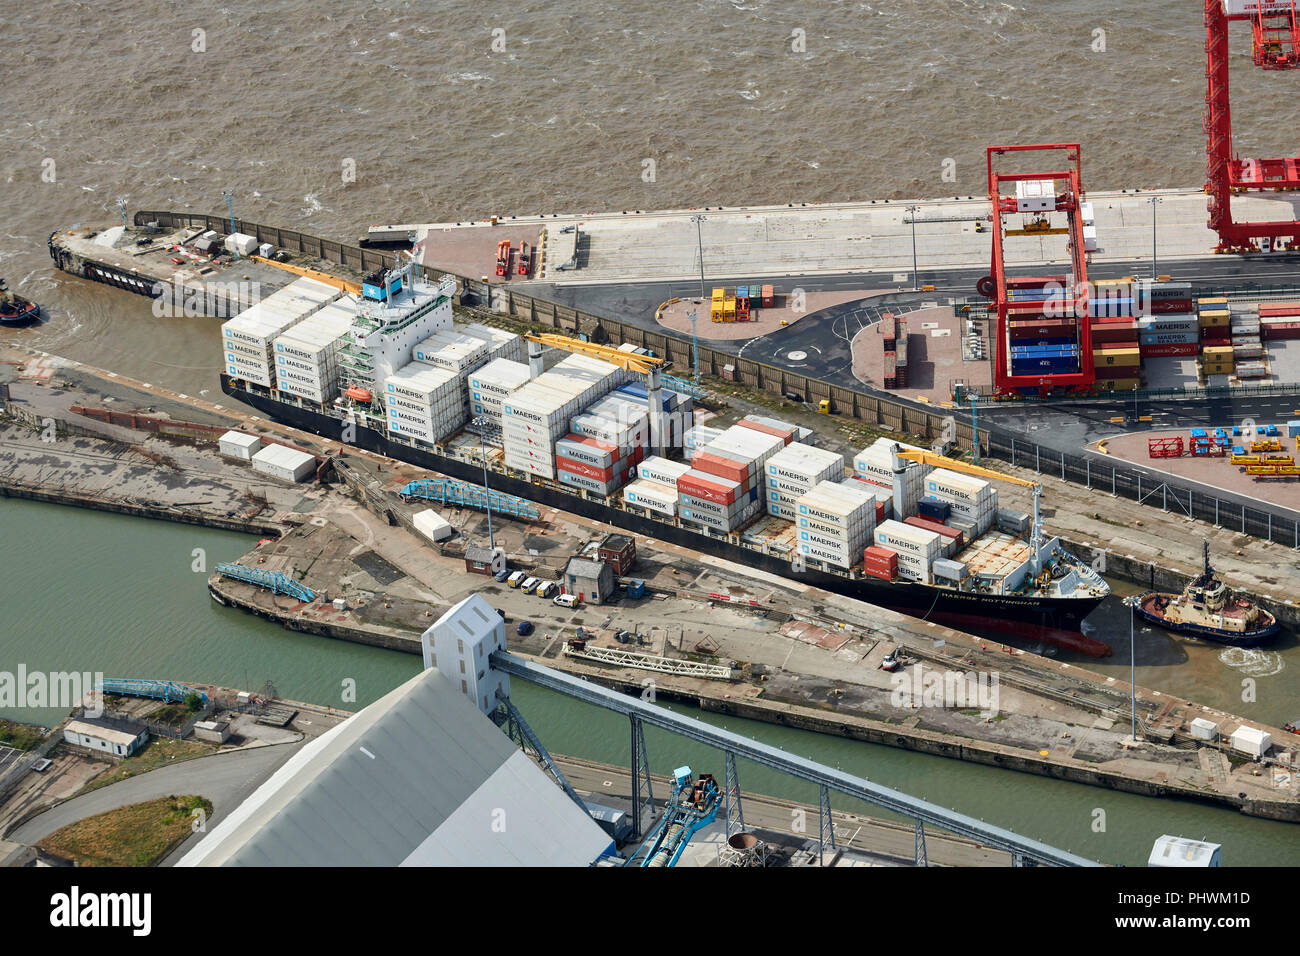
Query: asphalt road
[[225, 779]]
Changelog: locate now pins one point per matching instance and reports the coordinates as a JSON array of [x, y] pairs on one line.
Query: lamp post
[[230, 204], [1153, 200], [975, 424], [916, 285], [487, 497], [699, 242], [695, 346], [1132, 602]]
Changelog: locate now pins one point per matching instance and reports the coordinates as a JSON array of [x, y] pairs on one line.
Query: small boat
[[14, 308], [359, 394], [1209, 610]]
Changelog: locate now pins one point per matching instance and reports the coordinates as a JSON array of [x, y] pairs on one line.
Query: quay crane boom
[[347, 285]]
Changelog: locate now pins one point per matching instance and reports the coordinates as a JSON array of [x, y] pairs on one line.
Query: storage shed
[[102, 737], [239, 445], [1249, 740], [285, 463], [432, 525]]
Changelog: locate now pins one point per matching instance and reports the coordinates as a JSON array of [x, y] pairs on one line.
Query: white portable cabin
[[285, 463], [238, 445], [432, 525]]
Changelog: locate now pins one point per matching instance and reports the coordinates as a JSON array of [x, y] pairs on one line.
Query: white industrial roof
[[419, 778], [1180, 852], [101, 732], [239, 439], [284, 456]]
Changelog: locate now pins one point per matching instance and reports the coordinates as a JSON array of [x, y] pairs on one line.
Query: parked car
[[566, 600], [529, 584], [524, 629], [502, 575]]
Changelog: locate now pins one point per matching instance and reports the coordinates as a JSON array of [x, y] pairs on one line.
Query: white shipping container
[[662, 470]]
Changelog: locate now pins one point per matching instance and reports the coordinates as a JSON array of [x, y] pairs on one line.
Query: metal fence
[[1170, 495]]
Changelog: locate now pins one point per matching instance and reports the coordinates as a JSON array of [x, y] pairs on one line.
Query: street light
[[1153, 200], [1132, 601], [699, 241], [916, 285]]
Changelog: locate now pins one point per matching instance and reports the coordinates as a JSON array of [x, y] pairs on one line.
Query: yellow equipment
[[952, 464], [824, 406], [629, 361], [1245, 459], [345, 284]]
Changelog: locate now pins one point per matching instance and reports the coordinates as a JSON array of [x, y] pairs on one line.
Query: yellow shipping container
[[1217, 351], [1215, 319], [729, 310], [1213, 300], [1118, 385], [1122, 357]]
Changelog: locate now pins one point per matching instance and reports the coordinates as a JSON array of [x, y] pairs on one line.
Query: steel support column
[[735, 812], [920, 843], [507, 717], [643, 797], [825, 825]]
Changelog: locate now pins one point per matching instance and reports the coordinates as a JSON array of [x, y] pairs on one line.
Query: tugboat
[[14, 308], [1208, 610]]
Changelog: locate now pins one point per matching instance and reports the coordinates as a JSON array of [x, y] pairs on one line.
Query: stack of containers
[[623, 425], [973, 500], [889, 338], [1168, 334], [770, 426], [1246, 340], [951, 539], [1214, 319], [501, 344], [678, 410], [493, 384], [698, 436], [835, 522], [875, 465], [794, 471], [900, 360], [1217, 359], [739, 454], [1159, 298], [1279, 320], [587, 463], [661, 470], [916, 549], [653, 496], [538, 413], [715, 502], [424, 402], [880, 562], [305, 353], [450, 349], [249, 337]]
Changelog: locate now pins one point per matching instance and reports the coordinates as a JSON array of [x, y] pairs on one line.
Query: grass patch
[[19, 736], [159, 752], [136, 835]]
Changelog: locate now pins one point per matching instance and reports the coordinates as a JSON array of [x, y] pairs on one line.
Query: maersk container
[[934, 508]]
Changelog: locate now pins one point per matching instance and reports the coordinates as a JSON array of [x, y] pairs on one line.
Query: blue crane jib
[[449, 491], [276, 581], [691, 807], [167, 690]]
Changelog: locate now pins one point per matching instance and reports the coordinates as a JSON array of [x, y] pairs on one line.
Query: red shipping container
[[1275, 309], [1032, 282], [1279, 330], [785, 433], [880, 510], [952, 535], [1118, 373], [717, 493], [880, 557], [1165, 306], [1164, 351], [582, 468], [722, 467], [1123, 331]]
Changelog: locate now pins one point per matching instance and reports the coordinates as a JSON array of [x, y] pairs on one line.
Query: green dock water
[[89, 591]]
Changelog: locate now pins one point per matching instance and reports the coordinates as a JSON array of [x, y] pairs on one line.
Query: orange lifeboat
[[358, 394]]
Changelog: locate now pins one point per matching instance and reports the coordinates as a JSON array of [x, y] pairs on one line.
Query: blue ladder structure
[[682, 385], [276, 581], [167, 690], [449, 491]]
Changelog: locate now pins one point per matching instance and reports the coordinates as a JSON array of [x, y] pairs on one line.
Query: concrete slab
[[935, 357]]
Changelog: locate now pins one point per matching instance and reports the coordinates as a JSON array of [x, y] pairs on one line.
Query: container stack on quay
[[893, 330], [835, 521], [724, 488], [248, 339], [492, 385], [424, 402], [973, 501], [623, 425], [916, 549], [306, 354], [540, 413], [794, 471], [677, 409], [592, 464]]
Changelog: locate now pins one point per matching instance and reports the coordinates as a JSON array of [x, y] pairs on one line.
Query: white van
[[516, 579], [529, 584], [547, 589], [566, 600]]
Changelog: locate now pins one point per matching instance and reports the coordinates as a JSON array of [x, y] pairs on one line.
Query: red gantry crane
[[1044, 339], [1275, 46]]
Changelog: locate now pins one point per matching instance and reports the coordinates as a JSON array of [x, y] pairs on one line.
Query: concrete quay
[[798, 239]]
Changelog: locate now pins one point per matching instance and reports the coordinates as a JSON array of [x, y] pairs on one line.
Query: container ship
[[1208, 610], [383, 365]]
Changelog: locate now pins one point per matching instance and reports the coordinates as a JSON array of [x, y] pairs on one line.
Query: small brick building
[[619, 552]]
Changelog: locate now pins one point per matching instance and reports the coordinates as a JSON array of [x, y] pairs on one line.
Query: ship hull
[[1057, 621], [1252, 638]]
